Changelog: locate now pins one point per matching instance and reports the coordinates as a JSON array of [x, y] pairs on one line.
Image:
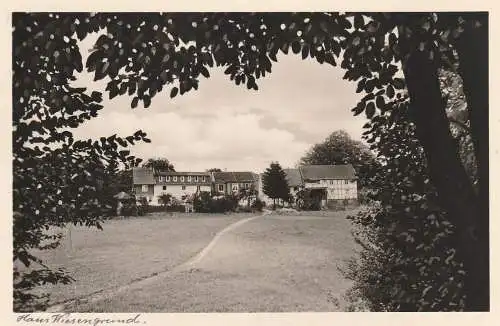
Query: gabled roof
[[206, 174], [319, 172], [236, 177], [293, 177], [143, 176]]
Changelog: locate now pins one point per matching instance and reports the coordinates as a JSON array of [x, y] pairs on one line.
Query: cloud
[[227, 126]]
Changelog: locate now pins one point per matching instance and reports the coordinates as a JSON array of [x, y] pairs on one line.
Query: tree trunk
[[448, 175], [472, 47]]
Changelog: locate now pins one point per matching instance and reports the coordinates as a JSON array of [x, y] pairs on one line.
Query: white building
[[180, 185], [333, 184]]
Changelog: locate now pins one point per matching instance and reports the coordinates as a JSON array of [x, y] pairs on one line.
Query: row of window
[[189, 178], [332, 182], [145, 188], [235, 187]]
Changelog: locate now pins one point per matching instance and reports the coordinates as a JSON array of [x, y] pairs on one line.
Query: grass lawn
[[129, 249], [270, 264]]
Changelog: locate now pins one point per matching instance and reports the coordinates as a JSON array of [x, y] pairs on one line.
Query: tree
[[214, 170], [165, 199], [151, 57], [56, 179], [159, 164], [340, 148], [275, 185]]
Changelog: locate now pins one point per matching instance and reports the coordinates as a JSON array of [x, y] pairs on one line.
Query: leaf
[[135, 101], [390, 91], [369, 86], [358, 21], [392, 39], [361, 85], [96, 96], [284, 48], [295, 47], [174, 92], [330, 59], [305, 51], [147, 101], [204, 72], [359, 108], [370, 110], [380, 102], [398, 83]]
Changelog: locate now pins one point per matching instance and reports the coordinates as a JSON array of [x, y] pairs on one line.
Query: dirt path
[[106, 293], [268, 264]]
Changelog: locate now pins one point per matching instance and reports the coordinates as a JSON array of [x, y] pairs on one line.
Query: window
[[183, 187], [175, 178], [235, 187], [182, 179], [247, 185], [189, 178], [331, 182], [195, 178], [164, 187], [144, 188], [221, 187], [346, 181], [203, 179], [198, 188], [168, 178]]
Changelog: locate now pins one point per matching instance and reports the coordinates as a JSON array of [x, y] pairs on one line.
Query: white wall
[[176, 191], [342, 190]]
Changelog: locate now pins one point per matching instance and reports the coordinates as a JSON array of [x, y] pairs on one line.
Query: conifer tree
[[275, 185]]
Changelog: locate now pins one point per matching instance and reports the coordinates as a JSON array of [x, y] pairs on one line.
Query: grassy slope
[[129, 249], [274, 263]]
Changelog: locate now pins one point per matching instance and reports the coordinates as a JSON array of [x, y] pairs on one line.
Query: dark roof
[[293, 177], [236, 177], [318, 172], [143, 176], [205, 174]]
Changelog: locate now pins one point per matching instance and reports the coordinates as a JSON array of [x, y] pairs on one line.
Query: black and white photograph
[[250, 162]]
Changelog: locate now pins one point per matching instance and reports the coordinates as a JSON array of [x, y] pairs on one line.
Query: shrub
[[406, 262], [175, 208], [143, 206], [258, 205], [203, 202], [129, 208], [407, 259]]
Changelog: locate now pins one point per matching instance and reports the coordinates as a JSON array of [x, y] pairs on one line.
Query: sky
[[222, 125]]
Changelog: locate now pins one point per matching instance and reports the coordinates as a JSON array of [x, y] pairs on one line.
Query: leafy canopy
[[340, 148]]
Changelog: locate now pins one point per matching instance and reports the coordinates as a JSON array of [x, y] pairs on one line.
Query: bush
[[129, 208], [258, 205], [204, 203], [175, 208], [407, 260]]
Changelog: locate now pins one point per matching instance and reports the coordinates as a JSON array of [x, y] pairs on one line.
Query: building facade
[[152, 184], [334, 184], [231, 182], [180, 185]]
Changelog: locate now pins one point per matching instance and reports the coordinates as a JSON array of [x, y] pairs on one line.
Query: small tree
[[275, 185], [165, 199]]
